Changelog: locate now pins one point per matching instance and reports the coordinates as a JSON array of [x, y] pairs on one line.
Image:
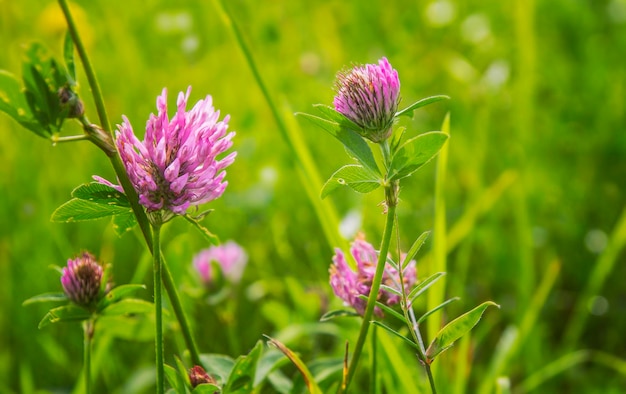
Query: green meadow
[[528, 205]]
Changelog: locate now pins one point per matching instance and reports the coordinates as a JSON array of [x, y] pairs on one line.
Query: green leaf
[[397, 334], [338, 313], [124, 223], [355, 176], [355, 144], [391, 311], [408, 111], [206, 388], [46, 297], [423, 286], [218, 366], [64, 313], [13, 103], [415, 248], [454, 330], [209, 236], [100, 194], [415, 153], [117, 293], [68, 56], [435, 309], [391, 290], [268, 363], [174, 379], [76, 210], [306, 374], [128, 306], [136, 328], [241, 377]]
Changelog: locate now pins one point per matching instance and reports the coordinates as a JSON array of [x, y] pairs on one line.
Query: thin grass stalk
[[129, 190], [158, 307], [524, 120], [307, 171], [601, 270], [436, 294], [529, 318], [371, 301]]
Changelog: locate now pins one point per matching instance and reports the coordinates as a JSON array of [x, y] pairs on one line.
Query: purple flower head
[[369, 96], [81, 279], [349, 285], [230, 257], [176, 165]]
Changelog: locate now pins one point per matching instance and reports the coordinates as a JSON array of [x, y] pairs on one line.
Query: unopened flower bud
[[72, 102], [197, 376], [81, 279]]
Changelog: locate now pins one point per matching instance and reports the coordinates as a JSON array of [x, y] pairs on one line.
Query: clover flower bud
[[70, 100], [369, 96], [82, 279], [197, 376]]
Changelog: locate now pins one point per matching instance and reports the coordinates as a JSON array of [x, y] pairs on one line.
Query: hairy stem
[[129, 190], [156, 255], [409, 315], [88, 327], [371, 301], [89, 73]]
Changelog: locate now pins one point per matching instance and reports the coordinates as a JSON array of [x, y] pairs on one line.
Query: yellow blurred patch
[[51, 22]]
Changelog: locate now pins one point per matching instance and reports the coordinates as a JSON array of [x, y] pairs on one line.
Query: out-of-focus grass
[[538, 93]]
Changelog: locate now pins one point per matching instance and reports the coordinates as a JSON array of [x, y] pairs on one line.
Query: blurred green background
[[535, 180]]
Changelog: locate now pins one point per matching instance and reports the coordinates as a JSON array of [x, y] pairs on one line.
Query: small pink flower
[[369, 96], [349, 285], [176, 165], [81, 279], [230, 257]]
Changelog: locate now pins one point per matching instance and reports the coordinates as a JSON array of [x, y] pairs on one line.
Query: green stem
[[172, 293], [430, 378], [88, 327], [409, 315], [129, 190], [371, 301], [156, 254], [91, 76], [373, 373], [71, 138]]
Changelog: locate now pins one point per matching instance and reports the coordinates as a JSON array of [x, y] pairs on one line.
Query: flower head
[[198, 376], [230, 257], [81, 279], [349, 285], [369, 96], [176, 165]]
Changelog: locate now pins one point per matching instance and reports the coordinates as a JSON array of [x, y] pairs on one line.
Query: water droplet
[[341, 181], [596, 241], [598, 305], [440, 13]]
